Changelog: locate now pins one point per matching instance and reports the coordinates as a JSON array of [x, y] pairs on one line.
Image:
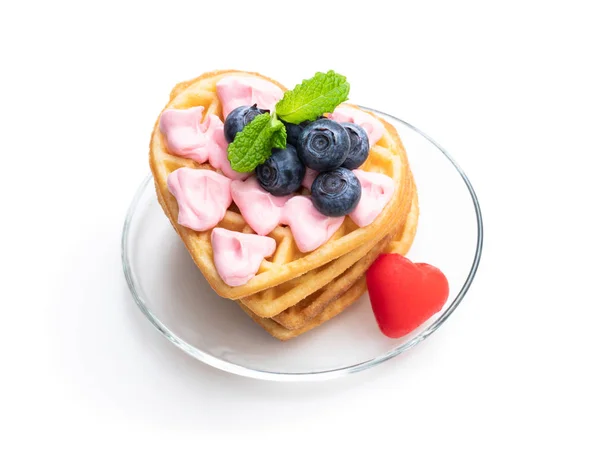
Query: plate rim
[[312, 375]]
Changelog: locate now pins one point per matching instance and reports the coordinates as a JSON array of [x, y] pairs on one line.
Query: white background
[[511, 89]]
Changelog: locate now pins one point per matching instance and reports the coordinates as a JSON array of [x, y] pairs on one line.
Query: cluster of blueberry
[[333, 149]]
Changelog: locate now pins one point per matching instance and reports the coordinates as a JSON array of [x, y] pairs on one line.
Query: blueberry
[[239, 118], [323, 145], [293, 132], [336, 193], [282, 173], [359, 145]]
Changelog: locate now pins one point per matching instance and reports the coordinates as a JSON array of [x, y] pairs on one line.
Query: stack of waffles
[[293, 291]]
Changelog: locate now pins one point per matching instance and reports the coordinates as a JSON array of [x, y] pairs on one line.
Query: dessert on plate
[[283, 198]]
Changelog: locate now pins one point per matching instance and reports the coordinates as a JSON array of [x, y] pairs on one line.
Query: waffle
[[341, 293], [387, 156], [341, 303]]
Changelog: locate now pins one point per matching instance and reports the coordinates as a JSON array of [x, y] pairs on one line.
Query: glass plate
[[177, 300]]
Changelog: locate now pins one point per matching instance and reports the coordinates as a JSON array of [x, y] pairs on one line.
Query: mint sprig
[[280, 137], [312, 98], [252, 146]]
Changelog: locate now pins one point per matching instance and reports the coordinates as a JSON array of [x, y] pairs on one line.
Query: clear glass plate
[[177, 300]]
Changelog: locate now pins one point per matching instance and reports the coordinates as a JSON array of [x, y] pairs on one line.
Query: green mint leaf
[[280, 138], [313, 97], [252, 146]]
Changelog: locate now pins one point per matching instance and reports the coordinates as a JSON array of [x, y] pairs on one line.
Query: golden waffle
[[387, 156], [343, 292], [341, 303]]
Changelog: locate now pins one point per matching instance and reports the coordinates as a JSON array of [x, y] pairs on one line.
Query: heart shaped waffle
[[387, 156]]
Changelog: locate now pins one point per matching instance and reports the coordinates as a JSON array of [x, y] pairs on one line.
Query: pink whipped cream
[[310, 228], [187, 136], [377, 190], [235, 91], [371, 125], [238, 256], [203, 197], [264, 212], [260, 209]]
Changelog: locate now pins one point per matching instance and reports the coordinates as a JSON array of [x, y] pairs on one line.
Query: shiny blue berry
[[323, 145], [293, 132], [359, 146], [282, 173], [238, 119], [336, 193]]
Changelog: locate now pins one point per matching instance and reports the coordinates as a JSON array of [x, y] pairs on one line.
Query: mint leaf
[[252, 146], [313, 97], [280, 138]]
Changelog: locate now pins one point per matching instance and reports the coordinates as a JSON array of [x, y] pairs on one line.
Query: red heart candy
[[404, 294]]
